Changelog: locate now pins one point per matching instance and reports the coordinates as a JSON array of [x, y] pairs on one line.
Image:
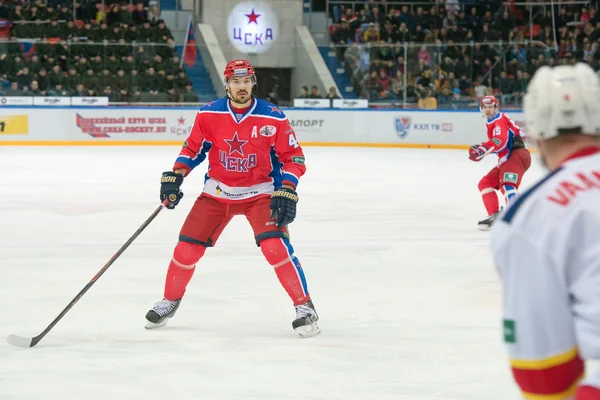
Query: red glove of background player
[[478, 151]]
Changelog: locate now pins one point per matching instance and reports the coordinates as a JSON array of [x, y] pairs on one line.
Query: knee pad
[[186, 255], [276, 251], [484, 184]]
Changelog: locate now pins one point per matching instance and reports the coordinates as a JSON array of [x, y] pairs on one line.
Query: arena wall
[[92, 125]]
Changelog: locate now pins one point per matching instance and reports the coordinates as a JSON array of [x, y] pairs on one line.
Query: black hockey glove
[[169, 188], [283, 206]]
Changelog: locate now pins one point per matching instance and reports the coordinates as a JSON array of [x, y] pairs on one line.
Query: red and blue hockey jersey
[[249, 154], [501, 131]]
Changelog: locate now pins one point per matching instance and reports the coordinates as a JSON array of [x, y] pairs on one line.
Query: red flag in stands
[[5, 26], [189, 49]]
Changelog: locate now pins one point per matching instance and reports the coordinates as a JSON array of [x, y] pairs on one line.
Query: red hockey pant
[[205, 223], [505, 177]]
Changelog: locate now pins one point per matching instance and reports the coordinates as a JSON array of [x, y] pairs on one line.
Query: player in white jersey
[[546, 244]]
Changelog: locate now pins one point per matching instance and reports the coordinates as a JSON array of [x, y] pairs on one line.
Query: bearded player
[[255, 163], [507, 141]]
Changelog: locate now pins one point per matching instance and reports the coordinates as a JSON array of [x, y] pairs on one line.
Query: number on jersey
[[293, 141]]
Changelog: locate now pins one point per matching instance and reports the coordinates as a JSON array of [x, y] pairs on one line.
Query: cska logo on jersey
[[236, 164], [235, 145]]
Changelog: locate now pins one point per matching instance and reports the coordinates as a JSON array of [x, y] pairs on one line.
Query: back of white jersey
[[546, 247]]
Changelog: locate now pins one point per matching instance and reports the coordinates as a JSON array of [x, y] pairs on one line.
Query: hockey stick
[[20, 341]]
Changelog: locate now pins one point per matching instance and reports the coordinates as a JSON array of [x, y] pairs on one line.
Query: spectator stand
[[124, 72], [118, 50], [541, 14], [455, 74], [337, 9], [404, 54]]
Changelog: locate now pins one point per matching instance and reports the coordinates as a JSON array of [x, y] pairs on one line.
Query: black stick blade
[[19, 341]]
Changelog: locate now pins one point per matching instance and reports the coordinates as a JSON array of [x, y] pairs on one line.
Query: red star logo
[[235, 145], [275, 109], [181, 120], [253, 17]]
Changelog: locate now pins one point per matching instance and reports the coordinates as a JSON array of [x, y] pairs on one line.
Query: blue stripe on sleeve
[[187, 161], [291, 178], [192, 163]]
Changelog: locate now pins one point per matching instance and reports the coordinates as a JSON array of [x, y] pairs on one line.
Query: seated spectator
[[35, 89], [139, 15], [79, 91], [154, 13], [479, 88], [505, 89], [427, 101], [457, 101], [13, 90], [314, 93], [384, 85], [371, 34], [189, 96], [303, 92], [332, 94], [371, 84], [398, 85], [520, 87]]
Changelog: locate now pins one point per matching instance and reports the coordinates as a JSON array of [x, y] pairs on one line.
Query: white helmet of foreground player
[[562, 100]]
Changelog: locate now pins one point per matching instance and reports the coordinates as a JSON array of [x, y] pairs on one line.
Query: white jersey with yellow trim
[[546, 247]]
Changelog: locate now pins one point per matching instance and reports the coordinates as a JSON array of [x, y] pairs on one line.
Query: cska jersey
[[248, 154], [501, 131], [546, 248]]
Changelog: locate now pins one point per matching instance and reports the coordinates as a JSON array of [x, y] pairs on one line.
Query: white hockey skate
[[306, 320], [161, 312]]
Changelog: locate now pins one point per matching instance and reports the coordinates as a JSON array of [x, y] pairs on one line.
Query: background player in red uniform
[[506, 140], [255, 162]]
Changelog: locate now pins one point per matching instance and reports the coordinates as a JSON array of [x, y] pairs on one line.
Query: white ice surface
[[401, 277]]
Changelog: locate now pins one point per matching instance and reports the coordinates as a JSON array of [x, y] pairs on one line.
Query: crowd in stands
[[449, 55], [315, 93], [122, 51]]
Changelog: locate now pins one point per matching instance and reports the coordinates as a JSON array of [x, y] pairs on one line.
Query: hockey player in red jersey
[[507, 141], [255, 162]]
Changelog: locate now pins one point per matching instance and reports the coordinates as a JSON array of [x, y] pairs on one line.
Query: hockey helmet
[[561, 100], [238, 68], [488, 100]]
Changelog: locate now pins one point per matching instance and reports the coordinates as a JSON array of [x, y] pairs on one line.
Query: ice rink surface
[[402, 279]]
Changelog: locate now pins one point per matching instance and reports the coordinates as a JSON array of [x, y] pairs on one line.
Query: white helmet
[[561, 100]]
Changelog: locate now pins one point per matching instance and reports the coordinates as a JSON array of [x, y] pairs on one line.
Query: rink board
[[170, 126]]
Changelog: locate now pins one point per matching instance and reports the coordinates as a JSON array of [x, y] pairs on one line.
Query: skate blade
[[152, 325], [307, 331], [484, 227]]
